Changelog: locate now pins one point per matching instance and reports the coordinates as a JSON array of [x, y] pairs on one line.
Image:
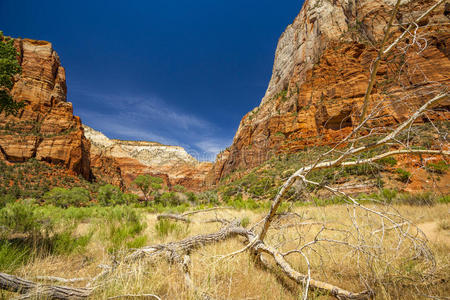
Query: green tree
[[110, 195], [62, 197], [148, 184], [9, 66]]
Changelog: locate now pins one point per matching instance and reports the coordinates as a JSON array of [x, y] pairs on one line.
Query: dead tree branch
[[19, 285]]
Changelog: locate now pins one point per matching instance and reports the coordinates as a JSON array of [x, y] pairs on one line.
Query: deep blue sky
[[177, 72]]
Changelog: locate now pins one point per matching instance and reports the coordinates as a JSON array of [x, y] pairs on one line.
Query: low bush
[[62, 197], [13, 255], [441, 167], [403, 175], [208, 198], [122, 227], [417, 199], [110, 195], [169, 199], [165, 227], [30, 231]]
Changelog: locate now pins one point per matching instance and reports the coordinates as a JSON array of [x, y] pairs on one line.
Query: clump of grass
[[444, 225], [444, 199], [66, 243], [165, 227], [124, 225], [417, 199], [13, 255], [403, 175], [245, 221], [441, 167]]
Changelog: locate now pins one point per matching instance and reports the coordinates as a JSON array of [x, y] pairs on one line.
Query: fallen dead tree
[[31, 289], [176, 252], [184, 217]]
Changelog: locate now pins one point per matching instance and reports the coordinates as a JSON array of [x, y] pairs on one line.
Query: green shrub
[[419, 199], [388, 195], [165, 227], [121, 226], [66, 243], [170, 199], [138, 242], [403, 175], [129, 198], [13, 256], [62, 197], [388, 161], [245, 222], [441, 167], [192, 197], [208, 197], [179, 188], [110, 195], [443, 199], [5, 199], [20, 217], [44, 230]]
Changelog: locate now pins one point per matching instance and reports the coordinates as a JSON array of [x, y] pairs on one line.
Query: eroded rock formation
[[320, 75], [46, 129], [119, 162]]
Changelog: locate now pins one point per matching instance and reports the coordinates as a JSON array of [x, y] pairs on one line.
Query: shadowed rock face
[[320, 75], [119, 162], [46, 129]]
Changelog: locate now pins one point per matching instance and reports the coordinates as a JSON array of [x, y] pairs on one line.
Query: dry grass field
[[221, 276]]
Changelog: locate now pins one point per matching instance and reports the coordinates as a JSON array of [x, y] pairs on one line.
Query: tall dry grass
[[238, 277]]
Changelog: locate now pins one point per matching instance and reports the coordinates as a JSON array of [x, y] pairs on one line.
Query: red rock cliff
[[120, 162], [46, 129], [320, 75]]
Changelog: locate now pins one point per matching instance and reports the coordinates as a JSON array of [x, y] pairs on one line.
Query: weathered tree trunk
[[18, 285]]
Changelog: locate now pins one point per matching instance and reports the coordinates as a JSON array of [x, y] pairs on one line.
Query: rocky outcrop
[[119, 162], [320, 75], [46, 129]]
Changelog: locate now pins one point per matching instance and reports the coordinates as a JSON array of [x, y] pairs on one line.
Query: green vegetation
[[29, 231], [123, 228], [441, 167], [403, 175], [33, 178], [64, 198], [148, 185], [165, 227], [9, 66]]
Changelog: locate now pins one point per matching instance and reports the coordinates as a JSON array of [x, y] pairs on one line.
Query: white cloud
[[148, 118]]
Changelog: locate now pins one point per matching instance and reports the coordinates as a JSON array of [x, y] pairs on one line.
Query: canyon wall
[[46, 128], [119, 162], [320, 76]]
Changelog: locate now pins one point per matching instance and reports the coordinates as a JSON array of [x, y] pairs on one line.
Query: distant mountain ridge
[[131, 158]]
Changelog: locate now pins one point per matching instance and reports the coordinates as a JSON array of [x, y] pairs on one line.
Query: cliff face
[[119, 162], [320, 75], [46, 129]]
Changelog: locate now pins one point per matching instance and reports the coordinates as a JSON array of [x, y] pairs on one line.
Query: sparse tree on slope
[[148, 184], [9, 66]]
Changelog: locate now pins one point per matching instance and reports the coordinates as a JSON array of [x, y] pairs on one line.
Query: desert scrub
[[416, 199], [13, 255], [403, 175], [29, 231], [166, 227], [62, 197], [121, 227], [440, 167]]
